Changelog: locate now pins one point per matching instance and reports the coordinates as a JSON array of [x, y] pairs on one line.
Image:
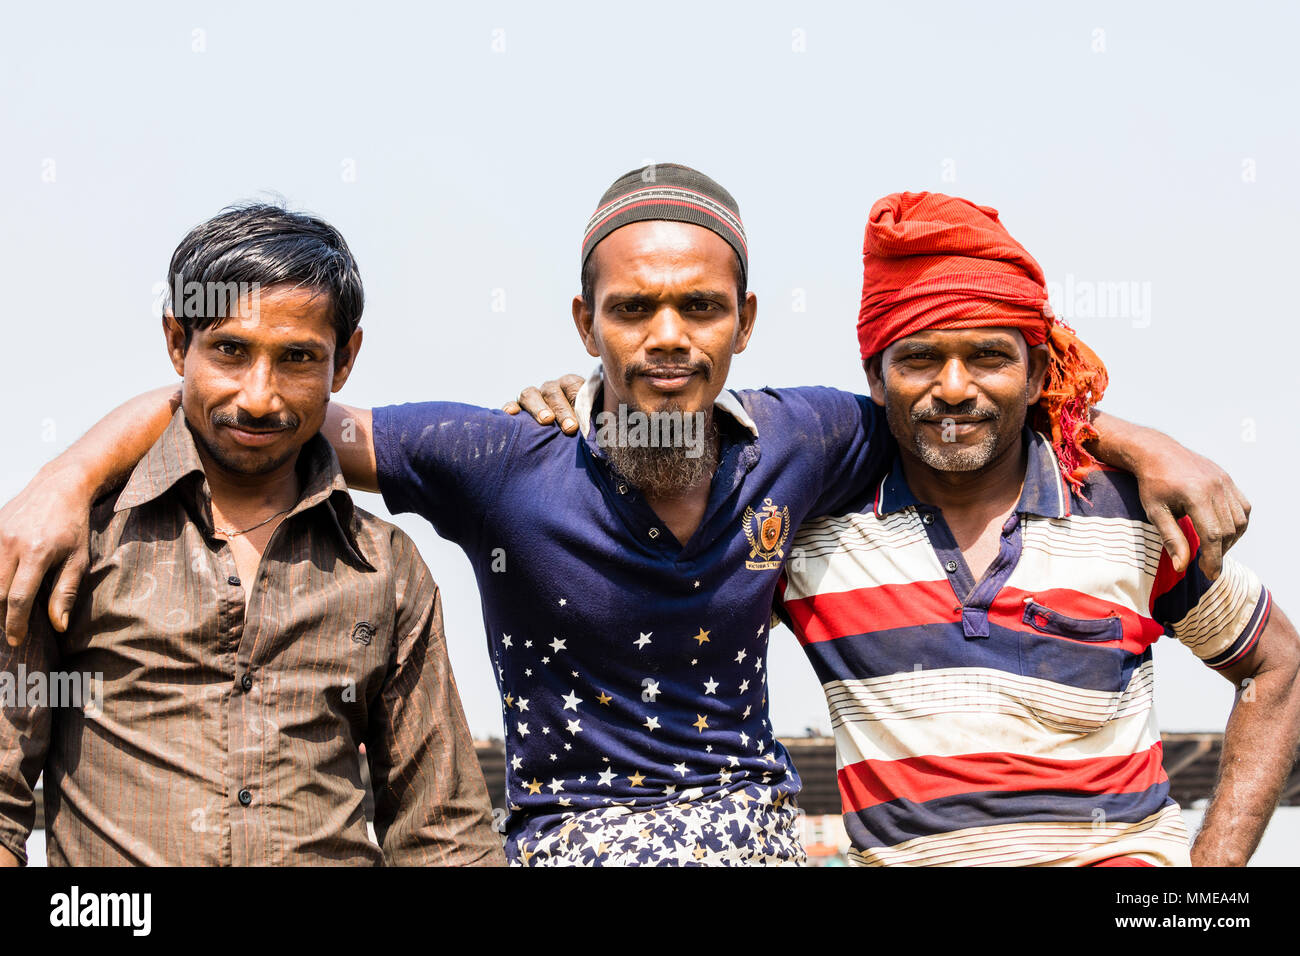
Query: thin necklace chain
[[231, 532]]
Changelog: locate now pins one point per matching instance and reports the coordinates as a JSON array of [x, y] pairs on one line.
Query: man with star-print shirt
[[626, 588]]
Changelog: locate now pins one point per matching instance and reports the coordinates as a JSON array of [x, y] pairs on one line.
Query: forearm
[[106, 454], [349, 431], [1122, 444], [1259, 747]]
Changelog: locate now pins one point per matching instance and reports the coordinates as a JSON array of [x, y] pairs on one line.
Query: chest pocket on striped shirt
[[1044, 619], [1083, 683]]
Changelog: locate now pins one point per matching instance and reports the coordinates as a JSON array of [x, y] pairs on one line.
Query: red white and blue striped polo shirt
[[1010, 720]]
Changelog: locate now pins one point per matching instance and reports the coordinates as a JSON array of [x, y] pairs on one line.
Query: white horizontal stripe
[[920, 693], [1162, 835], [860, 551], [659, 194], [1118, 570], [1008, 726], [958, 734]]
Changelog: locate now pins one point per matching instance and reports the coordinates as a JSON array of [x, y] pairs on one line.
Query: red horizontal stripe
[[824, 617], [871, 782], [670, 202], [1140, 631], [1166, 576], [649, 189]]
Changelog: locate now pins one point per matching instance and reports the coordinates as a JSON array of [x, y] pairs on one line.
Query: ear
[[585, 323], [1038, 359], [344, 359], [875, 378], [748, 315], [175, 341]]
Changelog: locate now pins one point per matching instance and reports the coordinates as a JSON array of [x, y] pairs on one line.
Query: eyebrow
[[995, 342], [306, 345], [1001, 343], [641, 297]]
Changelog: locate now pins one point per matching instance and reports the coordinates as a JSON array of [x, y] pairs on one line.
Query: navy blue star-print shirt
[[631, 667]]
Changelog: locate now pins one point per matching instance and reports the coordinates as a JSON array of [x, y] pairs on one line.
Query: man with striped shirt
[[982, 618]]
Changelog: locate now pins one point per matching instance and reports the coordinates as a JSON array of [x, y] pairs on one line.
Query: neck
[[995, 488], [241, 499]]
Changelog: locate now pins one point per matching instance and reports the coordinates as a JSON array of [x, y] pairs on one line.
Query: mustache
[[632, 370], [968, 409], [267, 423]]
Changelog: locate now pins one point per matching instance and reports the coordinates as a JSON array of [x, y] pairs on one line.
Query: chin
[[954, 457], [243, 461]]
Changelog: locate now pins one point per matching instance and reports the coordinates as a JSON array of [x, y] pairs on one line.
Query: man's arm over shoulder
[[44, 527], [844, 434], [431, 802], [443, 461]]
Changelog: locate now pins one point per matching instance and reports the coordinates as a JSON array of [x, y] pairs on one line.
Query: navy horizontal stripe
[[888, 824], [934, 646]]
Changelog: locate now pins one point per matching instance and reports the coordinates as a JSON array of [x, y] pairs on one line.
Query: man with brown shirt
[[246, 628]]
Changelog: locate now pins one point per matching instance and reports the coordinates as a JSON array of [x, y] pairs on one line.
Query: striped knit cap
[[672, 192]]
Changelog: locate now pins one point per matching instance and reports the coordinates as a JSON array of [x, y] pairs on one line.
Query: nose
[[954, 384], [667, 332], [259, 394]]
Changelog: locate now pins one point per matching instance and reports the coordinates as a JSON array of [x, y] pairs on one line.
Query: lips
[[668, 379], [956, 427], [254, 439]]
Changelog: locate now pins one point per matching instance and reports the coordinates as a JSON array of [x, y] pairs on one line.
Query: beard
[[665, 471], [247, 462], [906, 426]]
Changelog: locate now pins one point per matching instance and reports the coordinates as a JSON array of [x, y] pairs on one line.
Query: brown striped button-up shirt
[[178, 727]]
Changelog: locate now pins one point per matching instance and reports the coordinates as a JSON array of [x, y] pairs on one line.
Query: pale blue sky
[[1161, 150]]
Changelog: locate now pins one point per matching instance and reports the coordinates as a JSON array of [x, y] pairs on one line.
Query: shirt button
[[233, 581], [654, 532], [247, 682], [927, 518], [245, 797], [950, 567]]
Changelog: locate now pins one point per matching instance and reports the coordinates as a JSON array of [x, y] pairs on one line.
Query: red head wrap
[[932, 261]]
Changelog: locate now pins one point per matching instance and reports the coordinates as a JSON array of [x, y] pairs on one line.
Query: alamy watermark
[[1077, 298], [637, 429], [201, 300], [21, 688]]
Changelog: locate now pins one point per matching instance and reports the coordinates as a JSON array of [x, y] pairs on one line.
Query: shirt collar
[[1044, 492], [174, 458], [586, 400]]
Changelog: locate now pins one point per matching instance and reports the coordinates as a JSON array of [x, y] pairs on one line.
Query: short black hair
[[589, 282], [267, 245]]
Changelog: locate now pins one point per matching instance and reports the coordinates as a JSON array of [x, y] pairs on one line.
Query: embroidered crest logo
[[363, 633], [766, 530]]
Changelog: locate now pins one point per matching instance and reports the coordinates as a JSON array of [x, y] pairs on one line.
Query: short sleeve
[[443, 461], [855, 444], [1221, 620]]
